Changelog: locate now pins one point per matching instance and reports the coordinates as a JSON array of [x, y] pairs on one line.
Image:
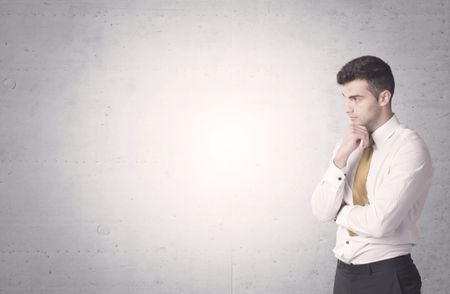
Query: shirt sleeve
[[328, 194], [408, 179]]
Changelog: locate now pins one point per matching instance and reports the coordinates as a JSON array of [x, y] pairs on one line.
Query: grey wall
[[173, 146]]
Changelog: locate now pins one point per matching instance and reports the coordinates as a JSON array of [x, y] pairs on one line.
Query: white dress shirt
[[397, 185]]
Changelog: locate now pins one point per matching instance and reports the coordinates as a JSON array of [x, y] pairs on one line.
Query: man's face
[[360, 104]]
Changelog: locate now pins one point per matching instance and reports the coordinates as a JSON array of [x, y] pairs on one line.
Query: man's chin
[[357, 122]]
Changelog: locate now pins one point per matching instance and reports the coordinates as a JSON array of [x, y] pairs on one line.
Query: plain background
[[173, 146]]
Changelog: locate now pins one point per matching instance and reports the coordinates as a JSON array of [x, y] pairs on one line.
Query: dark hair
[[375, 71]]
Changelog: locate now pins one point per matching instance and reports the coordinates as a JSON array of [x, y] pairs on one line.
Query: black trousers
[[397, 275]]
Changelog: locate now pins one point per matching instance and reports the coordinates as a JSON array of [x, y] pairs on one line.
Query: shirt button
[[346, 242], [339, 178]]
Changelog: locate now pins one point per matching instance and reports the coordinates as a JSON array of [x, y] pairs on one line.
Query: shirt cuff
[[342, 217], [335, 174]]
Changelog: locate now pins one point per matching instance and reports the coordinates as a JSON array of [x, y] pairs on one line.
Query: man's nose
[[348, 107]]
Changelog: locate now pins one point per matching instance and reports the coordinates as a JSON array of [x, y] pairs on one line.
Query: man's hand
[[355, 134]]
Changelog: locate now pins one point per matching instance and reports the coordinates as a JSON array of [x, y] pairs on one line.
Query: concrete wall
[[173, 146]]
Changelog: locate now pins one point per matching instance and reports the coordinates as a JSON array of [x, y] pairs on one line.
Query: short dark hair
[[375, 71]]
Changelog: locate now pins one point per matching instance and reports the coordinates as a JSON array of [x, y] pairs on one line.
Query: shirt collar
[[385, 131]]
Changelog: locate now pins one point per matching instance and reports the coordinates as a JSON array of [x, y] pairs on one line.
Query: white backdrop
[[173, 146]]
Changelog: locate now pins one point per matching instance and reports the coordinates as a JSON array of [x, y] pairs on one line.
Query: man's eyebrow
[[353, 96]]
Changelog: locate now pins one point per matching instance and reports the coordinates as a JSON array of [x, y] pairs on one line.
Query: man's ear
[[384, 98]]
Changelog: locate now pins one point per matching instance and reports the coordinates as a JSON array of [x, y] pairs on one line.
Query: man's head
[[375, 71], [368, 86]]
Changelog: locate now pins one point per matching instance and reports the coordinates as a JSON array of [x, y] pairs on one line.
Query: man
[[375, 187]]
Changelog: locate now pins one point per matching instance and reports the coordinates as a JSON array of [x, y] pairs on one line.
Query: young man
[[375, 187]]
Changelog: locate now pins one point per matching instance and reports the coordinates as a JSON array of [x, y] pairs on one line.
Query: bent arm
[[327, 196], [409, 178]]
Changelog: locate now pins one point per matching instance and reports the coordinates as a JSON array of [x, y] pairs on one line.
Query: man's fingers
[[360, 133], [359, 127]]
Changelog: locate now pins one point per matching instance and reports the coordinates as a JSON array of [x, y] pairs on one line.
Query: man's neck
[[383, 119]]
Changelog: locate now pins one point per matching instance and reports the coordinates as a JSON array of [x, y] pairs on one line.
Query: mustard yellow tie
[[359, 184]]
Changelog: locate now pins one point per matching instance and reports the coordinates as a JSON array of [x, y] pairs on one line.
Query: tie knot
[[371, 142]]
